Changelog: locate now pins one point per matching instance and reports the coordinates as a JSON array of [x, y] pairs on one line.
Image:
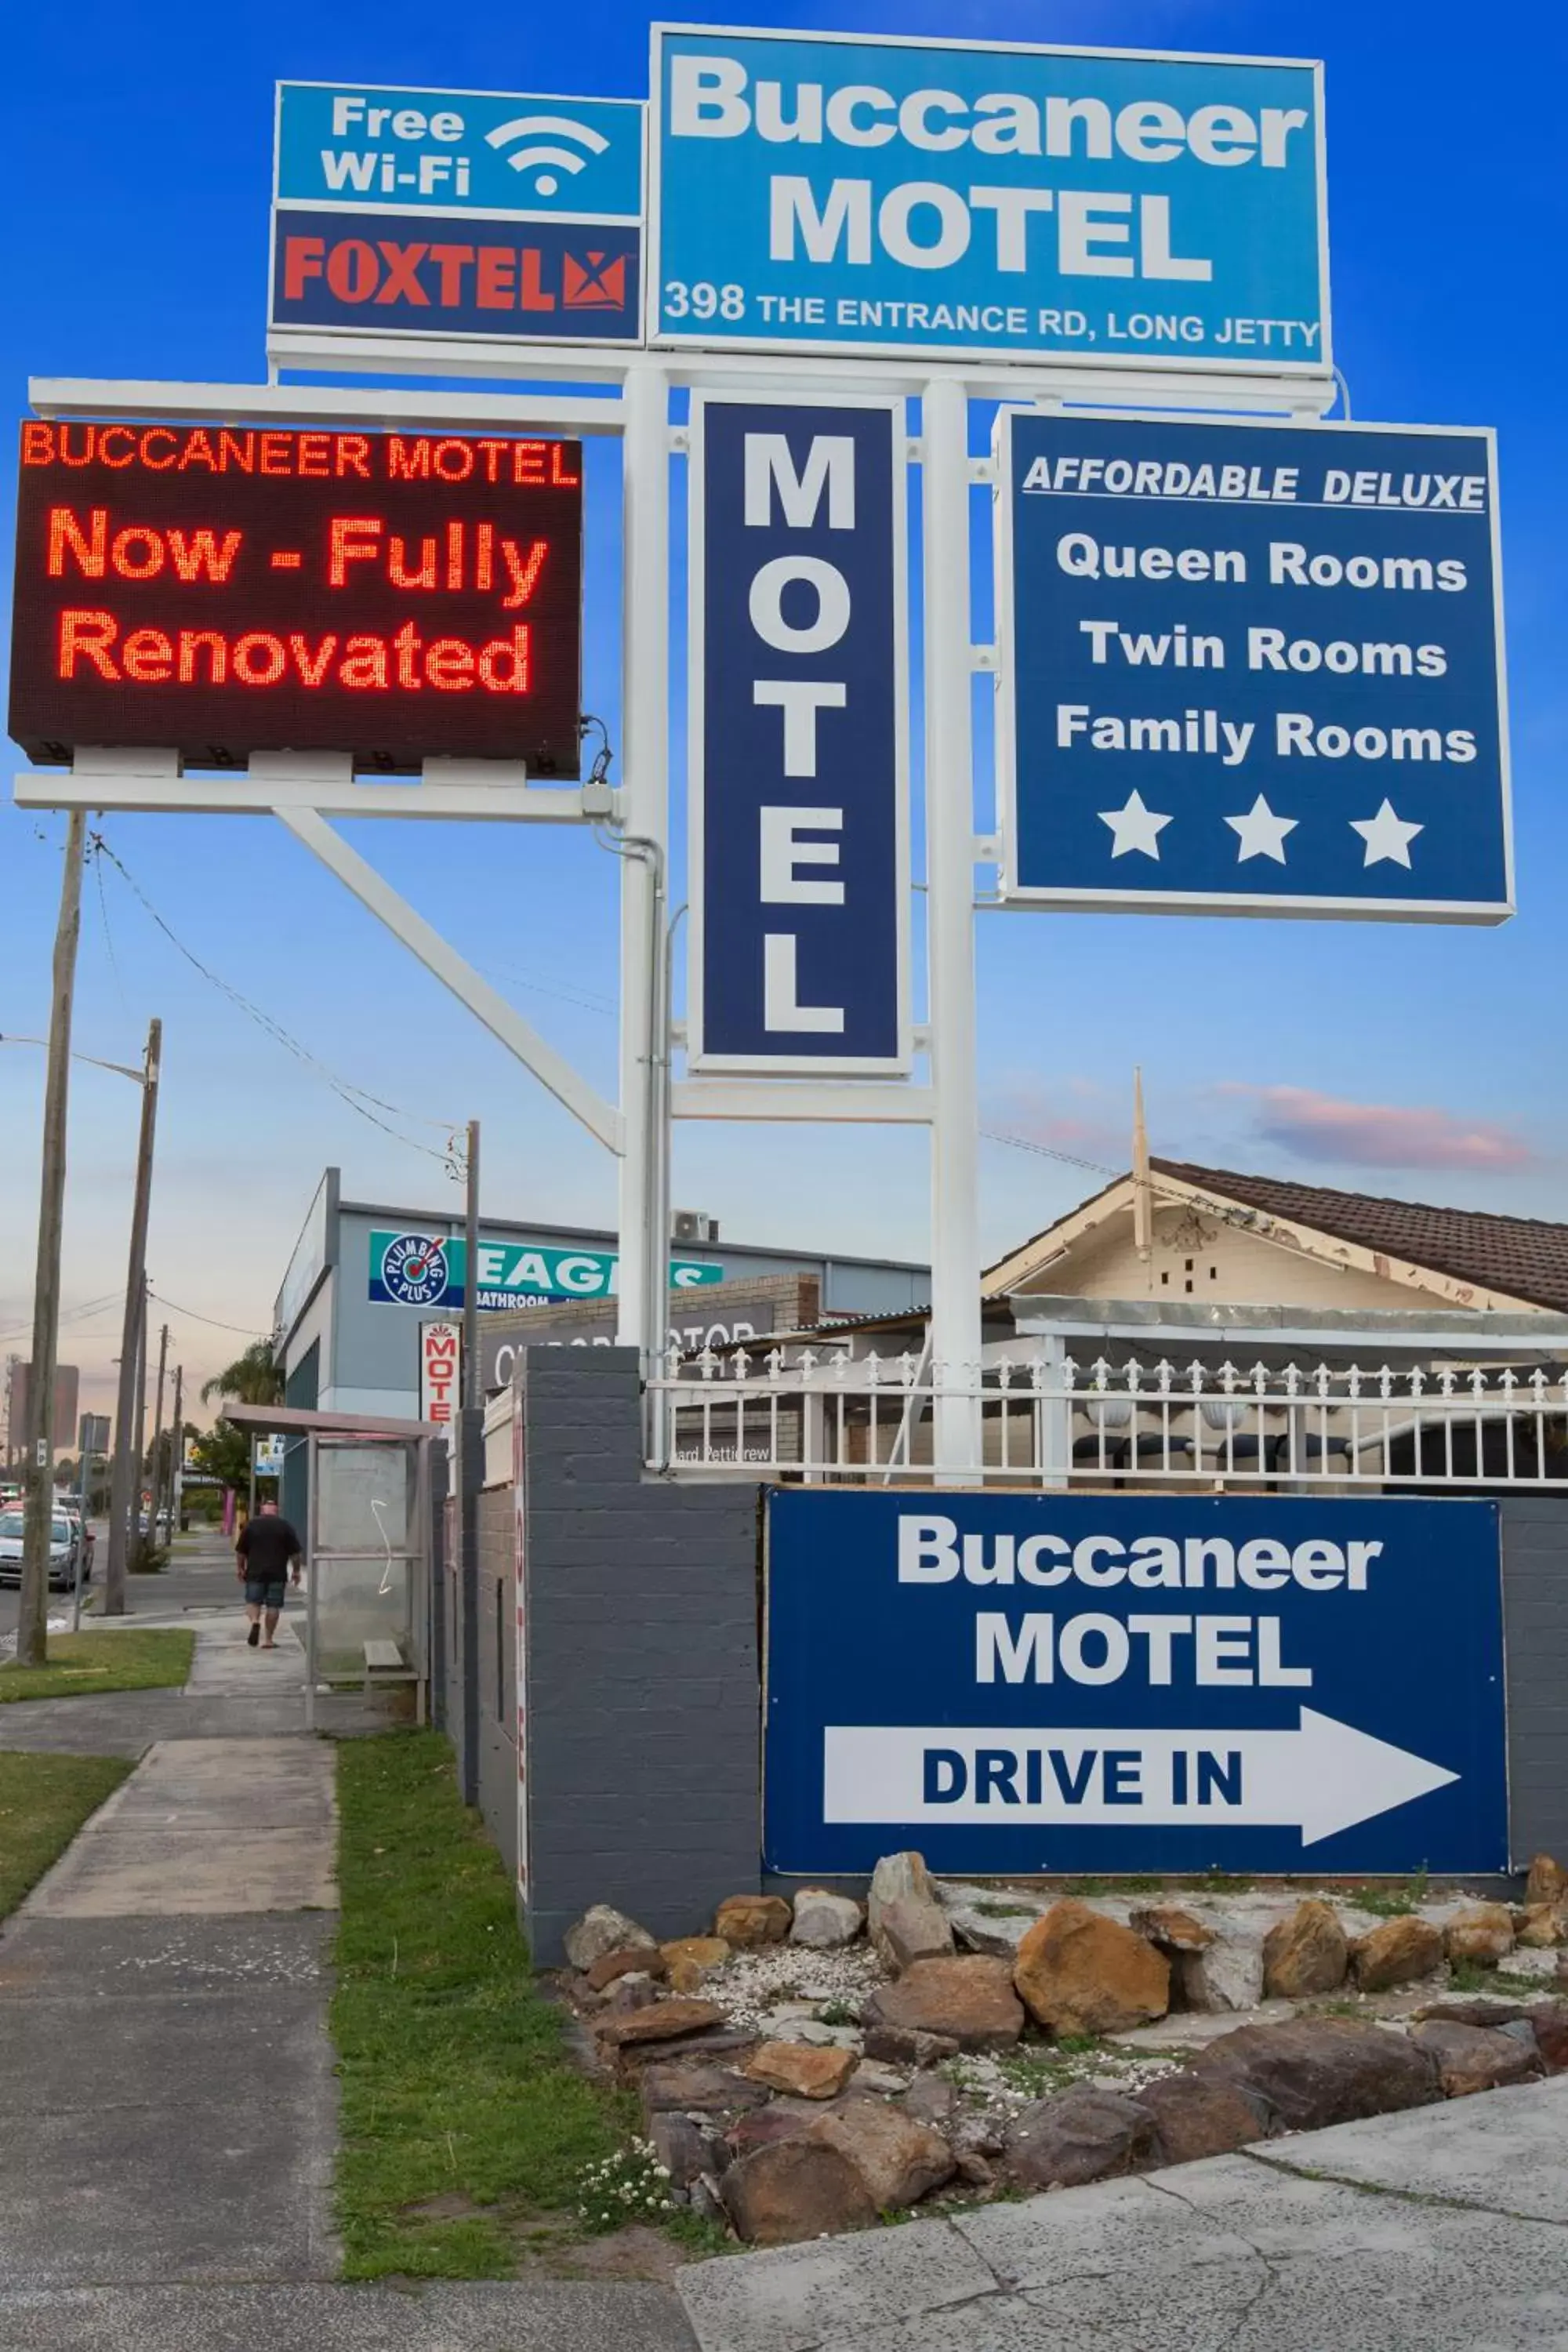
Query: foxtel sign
[[221, 591]]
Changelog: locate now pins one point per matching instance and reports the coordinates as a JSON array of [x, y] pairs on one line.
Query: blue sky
[[1414, 1060]]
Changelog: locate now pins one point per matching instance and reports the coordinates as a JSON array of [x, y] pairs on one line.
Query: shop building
[[364, 1274]]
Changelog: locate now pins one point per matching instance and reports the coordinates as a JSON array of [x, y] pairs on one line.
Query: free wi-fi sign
[[483, 215]]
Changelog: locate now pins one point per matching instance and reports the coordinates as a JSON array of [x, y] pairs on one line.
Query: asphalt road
[[201, 1574]]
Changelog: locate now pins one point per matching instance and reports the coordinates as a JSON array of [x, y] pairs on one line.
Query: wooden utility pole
[[155, 1479], [140, 1425], [176, 1450], [121, 1488], [32, 1621]]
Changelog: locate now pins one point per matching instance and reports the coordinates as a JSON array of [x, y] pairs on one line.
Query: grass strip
[[44, 1801], [462, 2118], [87, 1664]]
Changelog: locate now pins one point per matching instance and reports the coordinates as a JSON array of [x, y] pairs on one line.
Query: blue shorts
[[264, 1593]]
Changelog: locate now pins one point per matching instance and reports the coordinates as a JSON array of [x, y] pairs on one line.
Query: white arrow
[[1322, 1777]]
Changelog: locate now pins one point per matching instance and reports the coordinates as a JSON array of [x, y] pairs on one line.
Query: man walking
[[267, 1550]]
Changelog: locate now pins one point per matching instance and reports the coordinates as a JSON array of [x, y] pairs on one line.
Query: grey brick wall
[[1535, 1633], [643, 1694], [498, 1673]]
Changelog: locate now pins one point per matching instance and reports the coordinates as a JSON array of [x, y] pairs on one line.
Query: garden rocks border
[[799, 2075]]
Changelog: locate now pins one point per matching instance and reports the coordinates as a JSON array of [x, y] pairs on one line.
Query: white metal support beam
[[764, 1098], [601, 1119], [331, 404], [950, 899], [645, 810]]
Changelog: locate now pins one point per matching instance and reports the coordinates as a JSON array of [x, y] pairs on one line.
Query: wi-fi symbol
[[545, 159]]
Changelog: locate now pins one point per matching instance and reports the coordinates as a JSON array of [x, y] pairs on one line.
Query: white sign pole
[[644, 796], [950, 902]]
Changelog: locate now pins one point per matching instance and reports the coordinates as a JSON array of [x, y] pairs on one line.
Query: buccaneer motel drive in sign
[[1022, 1683]]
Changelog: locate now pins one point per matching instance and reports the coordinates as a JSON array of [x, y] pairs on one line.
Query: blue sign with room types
[[1251, 668], [1020, 1684]]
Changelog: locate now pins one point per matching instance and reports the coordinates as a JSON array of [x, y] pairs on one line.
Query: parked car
[[64, 1540]]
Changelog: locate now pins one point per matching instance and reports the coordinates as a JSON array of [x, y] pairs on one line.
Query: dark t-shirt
[[267, 1545]]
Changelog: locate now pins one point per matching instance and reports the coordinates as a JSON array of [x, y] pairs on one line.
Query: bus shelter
[[369, 1541]]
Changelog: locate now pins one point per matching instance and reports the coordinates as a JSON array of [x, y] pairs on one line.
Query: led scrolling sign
[[224, 591]]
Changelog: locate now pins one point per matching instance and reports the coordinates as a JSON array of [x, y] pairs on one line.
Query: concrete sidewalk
[[1444, 2229], [167, 2097]]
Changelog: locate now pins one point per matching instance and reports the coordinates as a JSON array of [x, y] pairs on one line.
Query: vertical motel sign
[[799, 790]]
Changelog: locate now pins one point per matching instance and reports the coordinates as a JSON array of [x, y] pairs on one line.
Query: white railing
[[823, 1414]]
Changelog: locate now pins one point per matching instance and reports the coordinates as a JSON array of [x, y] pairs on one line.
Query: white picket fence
[[826, 1415]]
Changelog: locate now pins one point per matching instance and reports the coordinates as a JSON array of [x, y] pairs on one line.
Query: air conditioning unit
[[693, 1226]]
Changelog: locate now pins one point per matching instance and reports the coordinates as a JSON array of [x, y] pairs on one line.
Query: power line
[[245, 1330], [357, 1098], [1046, 1151]]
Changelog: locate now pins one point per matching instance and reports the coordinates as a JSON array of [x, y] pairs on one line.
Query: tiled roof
[[1523, 1257]]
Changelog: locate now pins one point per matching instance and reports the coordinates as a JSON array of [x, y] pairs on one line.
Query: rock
[[633, 1990], [695, 1952], [824, 2037], [977, 1931], [929, 2099], [1227, 1975], [903, 1914], [898, 2159], [1080, 1973], [977, 2135], [1397, 1952], [1471, 2058], [898, 2045], [824, 1922], [636, 1958], [692, 2086], [971, 2001], [796, 2188], [600, 1932], [1084, 2135], [1483, 2012], [897, 1876], [1541, 1926], [1174, 1929], [1481, 1932], [730, 2043], [665, 2021], [707, 2201], [1304, 1954], [796, 2067], [974, 2171], [872, 2080], [1317, 2071], [1528, 1960], [1549, 2021], [779, 2120], [747, 1920], [907, 1931], [1547, 1881], [684, 2149], [1197, 2115], [686, 1979]]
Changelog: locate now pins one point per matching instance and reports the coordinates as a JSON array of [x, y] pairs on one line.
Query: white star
[[1134, 827], [1261, 834], [1385, 835]]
